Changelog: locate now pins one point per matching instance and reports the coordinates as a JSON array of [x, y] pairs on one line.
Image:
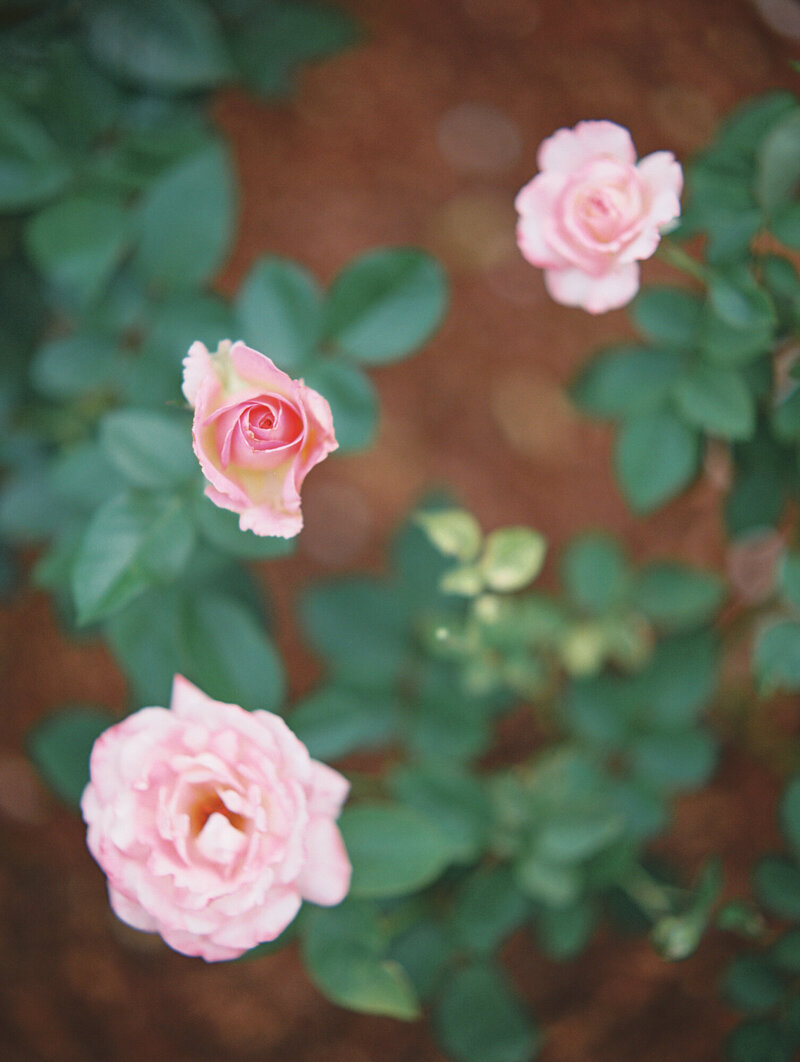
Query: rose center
[[208, 804], [267, 420]]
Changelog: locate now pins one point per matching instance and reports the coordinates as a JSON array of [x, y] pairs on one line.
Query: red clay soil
[[420, 135]]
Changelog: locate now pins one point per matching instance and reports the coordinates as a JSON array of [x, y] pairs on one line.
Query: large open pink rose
[[213, 824], [257, 433], [593, 213]]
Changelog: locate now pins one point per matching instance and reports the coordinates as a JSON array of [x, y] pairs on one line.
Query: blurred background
[[420, 134]]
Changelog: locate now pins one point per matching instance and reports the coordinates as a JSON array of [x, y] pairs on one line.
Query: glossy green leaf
[[353, 401], [60, 746], [150, 448], [776, 657], [455, 800], [778, 172], [776, 881], [624, 381], [478, 1018], [716, 400], [671, 316], [69, 366], [385, 304], [751, 984], [133, 541], [394, 850], [655, 457], [279, 312], [345, 953], [786, 226], [358, 627], [595, 574], [334, 721], [275, 36], [78, 242], [674, 596], [32, 169], [563, 932], [221, 528], [187, 220], [228, 655], [488, 907], [163, 45], [674, 761]]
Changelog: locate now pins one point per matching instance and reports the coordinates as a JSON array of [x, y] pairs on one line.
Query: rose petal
[[574, 287], [568, 149]]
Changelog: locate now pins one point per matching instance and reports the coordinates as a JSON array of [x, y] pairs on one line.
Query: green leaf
[[776, 881], [778, 172], [752, 985], [31, 167], [133, 541], [786, 226], [674, 761], [512, 558], [358, 627], [78, 242], [758, 1041], [423, 951], [789, 578], [353, 402], [595, 573], [785, 416], [275, 36], [149, 448], [655, 457], [146, 639], [743, 129], [674, 596], [27, 510], [671, 316], [756, 501], [678, 681], [187, 220], [279, 312], [394, 850], [739, 302], [334, 721], [479, 1019], [776, 657], [790, 812], [344, 951], [488, 907], [785, 952], [385, 304], [163, 45], [456, 801], [228, 655], [554, 884], [221, 528], [60, 746], [625, 381], [564, 932], [454, 532], [716, 400], [728, 344], [71, 365]]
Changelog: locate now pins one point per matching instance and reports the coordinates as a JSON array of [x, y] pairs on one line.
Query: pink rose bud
[[592, 213], [213, 824], [257, 433]]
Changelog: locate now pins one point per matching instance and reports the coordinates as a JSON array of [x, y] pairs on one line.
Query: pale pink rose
[[592, 213], [212, 824], [257, 433]]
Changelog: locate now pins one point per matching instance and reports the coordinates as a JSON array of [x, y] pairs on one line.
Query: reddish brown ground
[[369, 152]]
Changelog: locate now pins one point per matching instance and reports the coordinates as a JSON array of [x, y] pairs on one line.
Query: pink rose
[[257, 433], [212, 824], [593, 213]]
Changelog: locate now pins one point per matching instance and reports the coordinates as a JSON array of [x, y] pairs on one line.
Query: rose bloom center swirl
[[257, 432]]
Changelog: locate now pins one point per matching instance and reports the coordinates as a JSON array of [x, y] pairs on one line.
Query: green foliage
[[656, 456], [60, 745], [479, 1019], [394, 849], [345, 951]]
